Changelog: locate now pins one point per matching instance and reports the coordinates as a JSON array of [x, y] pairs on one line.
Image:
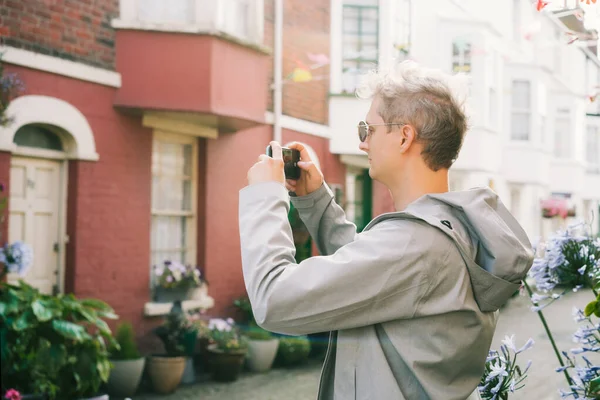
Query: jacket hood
[[493, 244]]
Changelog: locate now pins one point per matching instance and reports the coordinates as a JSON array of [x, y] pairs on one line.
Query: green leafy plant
[[127, 347], [292, 350], [53, 345], [178, 333]]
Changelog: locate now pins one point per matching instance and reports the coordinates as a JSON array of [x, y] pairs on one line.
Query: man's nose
[[364, 146]]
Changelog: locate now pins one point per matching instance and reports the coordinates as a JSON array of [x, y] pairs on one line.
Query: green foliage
[[292, 350], [258, 333], [55, 345], [178, 334], [243, 304], [127, 347]]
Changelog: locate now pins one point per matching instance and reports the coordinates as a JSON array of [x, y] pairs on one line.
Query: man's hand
[[267, 168], [311, 178]]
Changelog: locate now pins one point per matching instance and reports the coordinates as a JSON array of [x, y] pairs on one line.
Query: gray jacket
[[411, 302]]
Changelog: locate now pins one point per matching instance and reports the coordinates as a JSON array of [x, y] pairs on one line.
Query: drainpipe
[[277, 70]]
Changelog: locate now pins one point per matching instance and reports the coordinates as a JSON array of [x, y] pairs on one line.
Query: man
[[412, 301]]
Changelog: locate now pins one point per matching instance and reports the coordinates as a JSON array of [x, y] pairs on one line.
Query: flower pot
[[100, 397], [166, 295], [125, 377], [34, 397], [165, 373], [226, 367], [261, 354]]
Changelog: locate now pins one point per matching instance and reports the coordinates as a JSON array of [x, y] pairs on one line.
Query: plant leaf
[[96, 304], [595, 385], [69, 330], [103, 367], [590, 308], [41, 312], [24, 321]]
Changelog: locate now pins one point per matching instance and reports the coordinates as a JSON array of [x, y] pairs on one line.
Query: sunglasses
[[363, 129]]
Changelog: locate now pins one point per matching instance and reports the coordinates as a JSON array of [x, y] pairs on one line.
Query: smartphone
[[290, 162]]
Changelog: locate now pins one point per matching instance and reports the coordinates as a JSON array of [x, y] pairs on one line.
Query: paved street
[[301, 383]]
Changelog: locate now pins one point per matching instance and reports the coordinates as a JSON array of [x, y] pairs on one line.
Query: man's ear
[[407, 136]]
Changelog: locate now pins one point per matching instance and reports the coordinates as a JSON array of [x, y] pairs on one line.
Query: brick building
[[137, 126]]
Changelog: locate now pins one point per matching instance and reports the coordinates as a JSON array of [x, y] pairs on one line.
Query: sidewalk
[[516, 318]]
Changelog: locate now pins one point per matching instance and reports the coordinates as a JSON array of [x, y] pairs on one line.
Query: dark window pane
[[39, 137]]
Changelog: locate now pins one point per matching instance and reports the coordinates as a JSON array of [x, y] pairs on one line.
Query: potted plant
[[54, 346], [179, 339], [128, 364], [262, 344], [227, 349], [262, 349], [176, 281]]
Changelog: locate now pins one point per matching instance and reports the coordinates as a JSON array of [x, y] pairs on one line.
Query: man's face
[[379, 144]]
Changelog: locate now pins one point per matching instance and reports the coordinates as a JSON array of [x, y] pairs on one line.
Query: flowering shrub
[[225, 335], [502, 374], [571, 262], [175, 275]]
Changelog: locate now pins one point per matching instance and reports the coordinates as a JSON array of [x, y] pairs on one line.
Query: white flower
[[509, 341], [530, 342]]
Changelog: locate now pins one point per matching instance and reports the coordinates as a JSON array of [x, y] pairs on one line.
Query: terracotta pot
[[165, 372], [226, 367]]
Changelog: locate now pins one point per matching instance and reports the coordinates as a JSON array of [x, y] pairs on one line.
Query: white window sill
[[152, 309]]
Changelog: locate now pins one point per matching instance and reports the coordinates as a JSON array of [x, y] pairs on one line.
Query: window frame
[[368, 62], [191, 251]]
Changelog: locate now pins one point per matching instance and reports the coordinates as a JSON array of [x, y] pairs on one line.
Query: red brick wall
[[305, 30], [77, 30], [108, 218]]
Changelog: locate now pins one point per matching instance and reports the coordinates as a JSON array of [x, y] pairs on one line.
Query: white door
[[35, 187]]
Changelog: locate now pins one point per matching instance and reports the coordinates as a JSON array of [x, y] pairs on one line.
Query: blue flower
[[17, 257]]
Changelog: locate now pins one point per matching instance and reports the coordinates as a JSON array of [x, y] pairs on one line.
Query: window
[[593, 149], [38, 136], [161, 11], [461, 56], [174, 177], [562, 133], [360, 35], [521, 110], [243, 19]]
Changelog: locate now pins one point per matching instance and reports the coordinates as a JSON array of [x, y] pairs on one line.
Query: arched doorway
[[37, 198], [45, 133]]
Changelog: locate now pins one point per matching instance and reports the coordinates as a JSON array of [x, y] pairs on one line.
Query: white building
[[534, 133]]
